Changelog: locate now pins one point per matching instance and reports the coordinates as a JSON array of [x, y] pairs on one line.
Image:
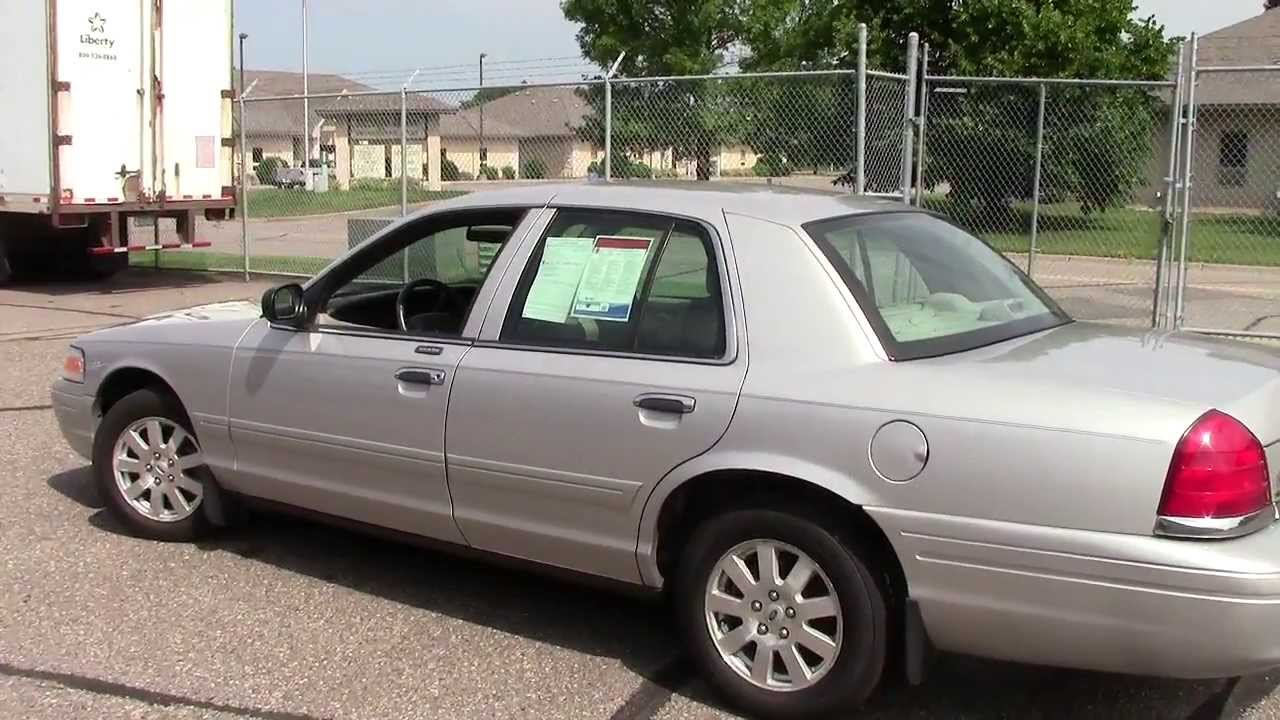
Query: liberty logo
[[97, 36]]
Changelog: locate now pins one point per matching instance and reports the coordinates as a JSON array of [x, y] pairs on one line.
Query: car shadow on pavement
[[638, 632]]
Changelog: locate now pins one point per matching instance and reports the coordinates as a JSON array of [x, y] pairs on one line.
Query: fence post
[[1187, 187], [909, 113], [608, 129], [244, 194], [608, 116], [923, 114], [860, 182], [404, 170], [1164, 252], [1035, 187]]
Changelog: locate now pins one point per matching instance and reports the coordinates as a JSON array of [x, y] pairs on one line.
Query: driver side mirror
[[285, 305]]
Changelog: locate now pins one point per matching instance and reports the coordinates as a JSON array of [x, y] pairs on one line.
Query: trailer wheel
[[6, 269]]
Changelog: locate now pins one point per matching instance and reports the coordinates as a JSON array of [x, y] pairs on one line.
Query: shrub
[[371, 183], [267, 167], [771, 165], [449, 170], [508, 172], [623, 167], [535, 169], [489, 172], [666, 173]]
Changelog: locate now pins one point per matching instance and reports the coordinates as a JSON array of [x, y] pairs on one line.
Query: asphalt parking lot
[[290, 620]]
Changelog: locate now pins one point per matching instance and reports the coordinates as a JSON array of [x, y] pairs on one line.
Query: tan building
[[1237, 143], [1237, 152]]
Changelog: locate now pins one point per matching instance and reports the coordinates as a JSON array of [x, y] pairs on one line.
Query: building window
[[1233, 158], [257, 155]]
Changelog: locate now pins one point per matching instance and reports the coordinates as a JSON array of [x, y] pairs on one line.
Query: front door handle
[[678, 404], [420, 376]]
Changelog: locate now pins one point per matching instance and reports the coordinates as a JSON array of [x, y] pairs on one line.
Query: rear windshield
[[930, 288]]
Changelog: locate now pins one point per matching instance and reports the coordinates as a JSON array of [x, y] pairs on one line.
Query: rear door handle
[[420, 376], [678, 404]]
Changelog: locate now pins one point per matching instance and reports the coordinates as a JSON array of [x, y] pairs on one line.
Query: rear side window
[[620, 282]]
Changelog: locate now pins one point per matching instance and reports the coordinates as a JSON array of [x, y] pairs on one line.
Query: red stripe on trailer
[[136, 248], [201, 243], [103, 250], [170, 246]]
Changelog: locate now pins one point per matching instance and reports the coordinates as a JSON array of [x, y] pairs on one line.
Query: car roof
[[702, 200]]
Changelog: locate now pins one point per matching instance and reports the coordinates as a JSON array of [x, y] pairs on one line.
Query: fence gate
[[1228, 251]]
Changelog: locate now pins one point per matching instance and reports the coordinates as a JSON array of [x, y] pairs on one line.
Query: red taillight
[[1218, 471]]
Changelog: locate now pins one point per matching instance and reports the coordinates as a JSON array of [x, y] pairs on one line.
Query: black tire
[[129, 409], [861, 661], [6, 268]]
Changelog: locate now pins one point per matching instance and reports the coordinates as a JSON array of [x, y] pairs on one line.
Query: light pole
[[306, 105], [484, 156], [244, 170]]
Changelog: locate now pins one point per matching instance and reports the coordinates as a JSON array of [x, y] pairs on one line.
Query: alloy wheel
[[773, 615], [152, 462]]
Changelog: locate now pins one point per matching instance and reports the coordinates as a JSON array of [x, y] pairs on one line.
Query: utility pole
[[484, 156], [306, 104], [244, 170]]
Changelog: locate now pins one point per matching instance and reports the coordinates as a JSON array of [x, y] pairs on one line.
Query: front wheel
[[149, 467], [782, 614]]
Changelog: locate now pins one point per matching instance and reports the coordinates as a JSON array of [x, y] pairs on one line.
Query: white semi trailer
[[111, 110]]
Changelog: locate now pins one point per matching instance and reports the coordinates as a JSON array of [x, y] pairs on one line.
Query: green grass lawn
[[277, 202], [1128, 233], [220, 261]]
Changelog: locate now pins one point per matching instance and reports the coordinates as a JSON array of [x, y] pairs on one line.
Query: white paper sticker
[[563, 261], [609, 282]]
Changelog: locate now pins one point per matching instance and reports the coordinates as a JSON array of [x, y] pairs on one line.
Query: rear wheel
[[149, 467], [782, 614]]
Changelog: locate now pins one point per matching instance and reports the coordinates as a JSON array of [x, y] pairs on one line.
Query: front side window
[[928, 287], [620, 282], [421, 280]]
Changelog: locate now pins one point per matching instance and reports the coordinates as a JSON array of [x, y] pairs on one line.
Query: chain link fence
[[1232, 257], [1063, 177], [1150, 203]]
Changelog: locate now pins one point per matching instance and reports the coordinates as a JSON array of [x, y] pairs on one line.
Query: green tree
[[488, 94], [661, 37]]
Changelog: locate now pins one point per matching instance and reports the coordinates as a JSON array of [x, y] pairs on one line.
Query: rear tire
[[825, 638], [149, 469]]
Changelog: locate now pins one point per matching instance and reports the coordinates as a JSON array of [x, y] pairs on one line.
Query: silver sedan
[[840, 434]]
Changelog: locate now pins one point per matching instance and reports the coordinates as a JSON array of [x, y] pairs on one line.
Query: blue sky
[[382, 41]]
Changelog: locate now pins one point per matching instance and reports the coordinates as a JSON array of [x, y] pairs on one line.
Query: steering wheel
[[413, 286]]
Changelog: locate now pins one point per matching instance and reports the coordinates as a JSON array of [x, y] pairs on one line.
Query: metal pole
[[924, 121], [608, 129], [860, 182], [1187, 187], [244, 171], [1035, 187], [909, 112], [404, 167], [1164, 252], [608, 117], [306, 105]]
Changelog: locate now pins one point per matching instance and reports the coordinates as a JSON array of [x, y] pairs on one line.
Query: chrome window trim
[[1216, 528]]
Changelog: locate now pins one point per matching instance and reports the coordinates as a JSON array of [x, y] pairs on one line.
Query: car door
[[611, 358], [347, 415]]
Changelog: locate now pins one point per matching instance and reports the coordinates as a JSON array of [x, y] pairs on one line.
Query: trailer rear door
[[195, 116], [103, 99]]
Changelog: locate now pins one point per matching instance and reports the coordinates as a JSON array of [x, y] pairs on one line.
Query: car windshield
[[930, 288]]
